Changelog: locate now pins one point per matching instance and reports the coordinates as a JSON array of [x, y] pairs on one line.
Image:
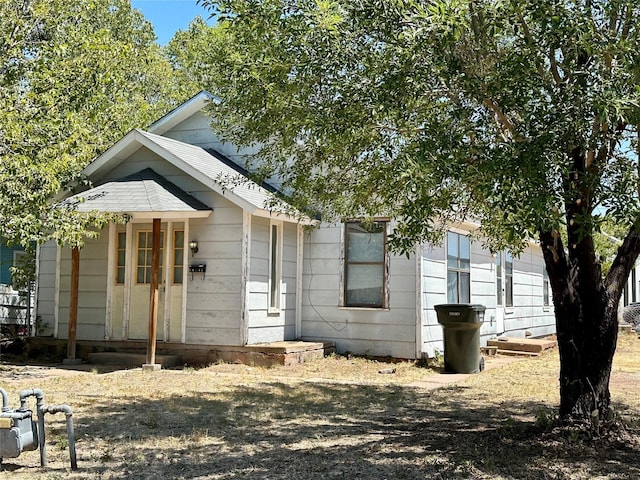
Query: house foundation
[[132, 353]]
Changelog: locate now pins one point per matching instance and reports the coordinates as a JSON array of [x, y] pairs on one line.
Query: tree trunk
[[587, 336], [586, 326]]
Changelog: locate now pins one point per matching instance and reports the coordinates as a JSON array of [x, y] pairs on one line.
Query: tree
[[75, 76], [522, 114]]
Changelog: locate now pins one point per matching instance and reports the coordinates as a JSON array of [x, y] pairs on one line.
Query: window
[[508, 279], [178, 256], [20, 268], [365, 264], [145, 244], [625, 296], [545, 287], [458, 268], [275, 266], [121, 256], [499, 261]]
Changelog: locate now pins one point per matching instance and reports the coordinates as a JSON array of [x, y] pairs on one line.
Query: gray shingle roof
[[144, 191], [213, 169], [208, 167]]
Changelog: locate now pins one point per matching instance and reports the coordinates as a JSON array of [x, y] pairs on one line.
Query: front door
[[504, 289], [140, 284]]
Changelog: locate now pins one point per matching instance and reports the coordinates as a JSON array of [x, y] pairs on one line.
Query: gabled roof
[[141, 195], [195, 162], [182, 112]]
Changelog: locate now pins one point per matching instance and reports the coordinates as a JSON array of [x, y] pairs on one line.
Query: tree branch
[[626, 25], [530, 41], [501, 118], [555, 261], [624, 261], [554, 67]]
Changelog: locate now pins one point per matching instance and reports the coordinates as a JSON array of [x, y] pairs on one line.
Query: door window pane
[[178, 256], [499, 279], [121, 256], [144, 256]]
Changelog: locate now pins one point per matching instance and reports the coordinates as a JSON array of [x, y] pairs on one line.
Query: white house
[[233, 273]]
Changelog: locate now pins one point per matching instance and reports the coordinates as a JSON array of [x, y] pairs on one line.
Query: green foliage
[[508, 112], [75, 75], [24, 272], [522, 115]]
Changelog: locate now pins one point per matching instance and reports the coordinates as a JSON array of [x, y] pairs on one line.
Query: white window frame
[[546, 289], [458, 270], [274, 290], [344, 266], [509, 302]]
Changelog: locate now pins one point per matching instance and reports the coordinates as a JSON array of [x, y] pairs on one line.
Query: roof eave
[[168, 215]]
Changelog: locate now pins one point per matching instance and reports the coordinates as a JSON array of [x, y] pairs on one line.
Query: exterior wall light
[[193, 245]]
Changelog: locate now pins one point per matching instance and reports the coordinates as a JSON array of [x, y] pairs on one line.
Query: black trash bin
[[461, 328]]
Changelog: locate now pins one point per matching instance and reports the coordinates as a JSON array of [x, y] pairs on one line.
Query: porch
[[132, 352]]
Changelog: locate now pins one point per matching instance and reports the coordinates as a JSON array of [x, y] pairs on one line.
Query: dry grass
[[334, 418]]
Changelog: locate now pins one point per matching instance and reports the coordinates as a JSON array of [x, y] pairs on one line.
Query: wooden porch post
[[73, 307], [153, 296]]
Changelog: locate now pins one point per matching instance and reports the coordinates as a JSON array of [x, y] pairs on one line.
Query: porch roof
[[144, 194]]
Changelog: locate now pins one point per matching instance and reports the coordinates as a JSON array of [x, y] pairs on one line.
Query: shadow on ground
[[303, 431]]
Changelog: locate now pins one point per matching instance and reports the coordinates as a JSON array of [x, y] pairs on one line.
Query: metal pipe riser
[[66, 409]]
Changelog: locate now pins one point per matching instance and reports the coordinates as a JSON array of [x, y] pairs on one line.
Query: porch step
[[518, 353], [132, 359], [625, 327], [489, 351], [523, 346]]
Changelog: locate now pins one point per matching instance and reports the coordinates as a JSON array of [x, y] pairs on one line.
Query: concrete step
[[530, 345], [132, 359]]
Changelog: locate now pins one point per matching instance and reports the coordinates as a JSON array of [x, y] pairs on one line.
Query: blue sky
[[169, 16]]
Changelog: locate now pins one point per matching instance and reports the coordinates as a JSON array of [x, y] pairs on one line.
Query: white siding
[[376, 332], [264, 326], [92, 290], [196, 130], [527, 314], [214, 304]]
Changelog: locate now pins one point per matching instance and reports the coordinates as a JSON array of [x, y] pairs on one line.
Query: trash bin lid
[[460, 314]]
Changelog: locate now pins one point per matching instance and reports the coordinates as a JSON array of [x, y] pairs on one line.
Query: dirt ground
[[333, 418]]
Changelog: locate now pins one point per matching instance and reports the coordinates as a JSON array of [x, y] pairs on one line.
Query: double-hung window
[[508, 279], [275, 266], [365, 269], [458, 268], [545, 287]]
